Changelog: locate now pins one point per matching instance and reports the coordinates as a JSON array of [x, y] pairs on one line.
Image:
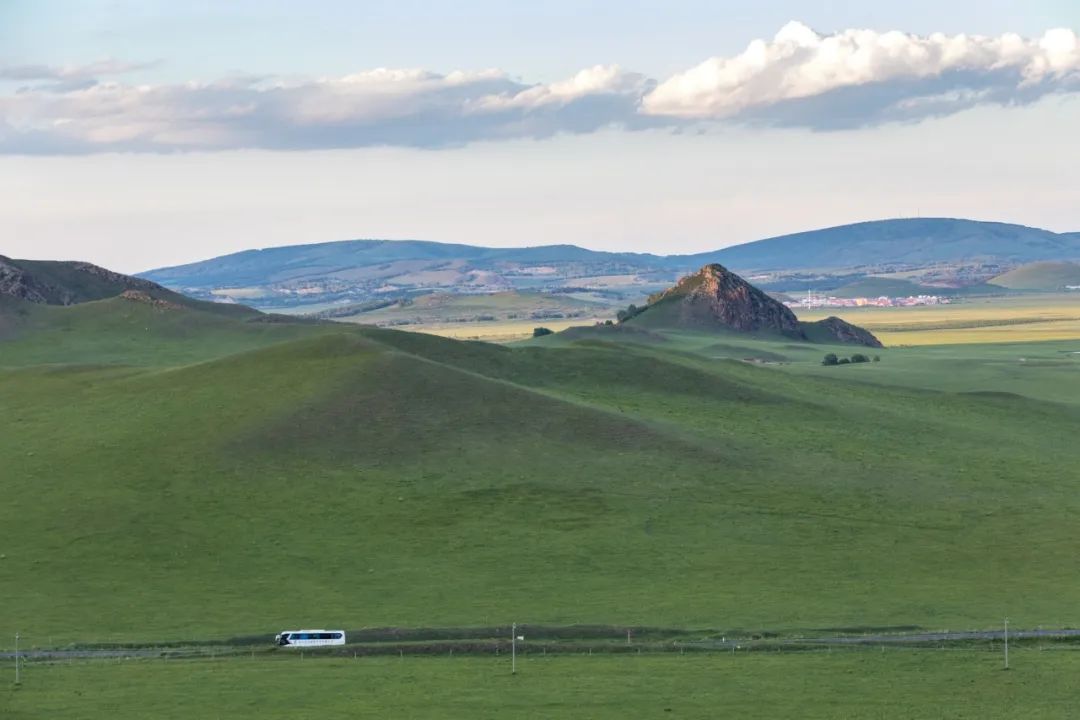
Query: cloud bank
[[862, 77], [853, 78]]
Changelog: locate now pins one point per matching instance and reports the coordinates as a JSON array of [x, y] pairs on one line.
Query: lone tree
[[830, 359], [541, 332]]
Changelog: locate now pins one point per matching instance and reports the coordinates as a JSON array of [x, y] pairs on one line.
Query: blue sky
[[138, 134]]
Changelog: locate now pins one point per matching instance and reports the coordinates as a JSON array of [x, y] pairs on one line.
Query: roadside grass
[[848, 683]]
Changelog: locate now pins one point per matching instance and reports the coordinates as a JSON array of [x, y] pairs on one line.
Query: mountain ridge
[[351, 271]]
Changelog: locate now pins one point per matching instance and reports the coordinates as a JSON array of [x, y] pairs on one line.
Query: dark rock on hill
[[714, 298], [47, 282], [66, 283]]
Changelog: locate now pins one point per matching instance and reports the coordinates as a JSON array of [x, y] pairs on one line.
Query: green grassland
[[982, 321], [1032, 370], [172, 474], [842, 684], [444, 308], [1044, 276], [119, 331]]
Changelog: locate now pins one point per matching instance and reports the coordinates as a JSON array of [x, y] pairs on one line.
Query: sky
[[139, 134]]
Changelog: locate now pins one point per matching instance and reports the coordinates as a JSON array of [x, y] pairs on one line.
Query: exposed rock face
[[142, 296], [714, 295], [14, 282], [65, 283], [833, 329]]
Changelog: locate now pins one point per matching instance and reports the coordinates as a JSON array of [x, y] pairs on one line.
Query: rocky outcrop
[[141, 296], [716, 298], [14, 282], [65, 283]]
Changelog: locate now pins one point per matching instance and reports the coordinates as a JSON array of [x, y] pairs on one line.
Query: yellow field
[[991, 320], [497, 331]]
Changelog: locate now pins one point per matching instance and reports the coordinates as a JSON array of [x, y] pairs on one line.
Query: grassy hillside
[[235, 477], [1045, 276], [121, 330], [456, 308], [898, 287]]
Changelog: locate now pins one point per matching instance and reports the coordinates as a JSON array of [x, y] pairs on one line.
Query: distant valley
[[383, 281]]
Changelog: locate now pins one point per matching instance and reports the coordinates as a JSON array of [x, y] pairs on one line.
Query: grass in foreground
[[841, 684], [359, 478]]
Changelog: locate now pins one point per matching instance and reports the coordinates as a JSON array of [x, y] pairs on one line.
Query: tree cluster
[[832, 359], [629, 312]]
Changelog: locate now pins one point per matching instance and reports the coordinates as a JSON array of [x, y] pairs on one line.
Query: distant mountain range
[[316, 277]]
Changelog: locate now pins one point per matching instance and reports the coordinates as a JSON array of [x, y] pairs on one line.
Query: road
[[901, 638]]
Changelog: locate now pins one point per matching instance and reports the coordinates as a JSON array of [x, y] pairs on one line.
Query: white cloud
[[597, 80], [90, 71], [407, 107], [872, 76], [801, 78]]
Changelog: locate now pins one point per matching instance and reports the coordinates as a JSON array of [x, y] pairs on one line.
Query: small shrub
[[541, 332], [830, 359], [859, 358], [877, 358], [843, 361]]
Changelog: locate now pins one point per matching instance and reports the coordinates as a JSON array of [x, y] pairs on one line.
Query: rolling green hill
[[1044, 276], [172, 474]]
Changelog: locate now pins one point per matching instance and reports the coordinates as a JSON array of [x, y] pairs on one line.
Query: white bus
[[309, 638]]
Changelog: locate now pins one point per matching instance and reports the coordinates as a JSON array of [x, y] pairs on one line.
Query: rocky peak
[[716, 298], [715, 295]]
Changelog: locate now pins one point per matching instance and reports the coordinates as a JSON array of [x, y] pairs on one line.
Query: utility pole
[[513, 649], [1006, 643], [16, 658]]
